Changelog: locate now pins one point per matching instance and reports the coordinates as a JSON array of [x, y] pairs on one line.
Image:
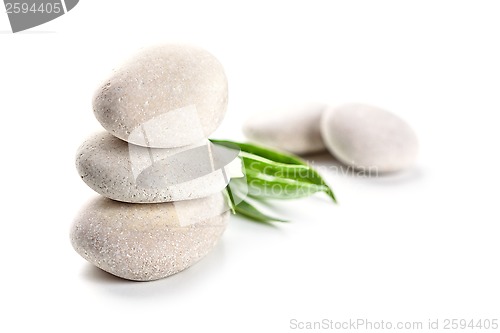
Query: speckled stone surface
[[145, 242], [368, 137], [130, 173], [295, 129], [165, 96]]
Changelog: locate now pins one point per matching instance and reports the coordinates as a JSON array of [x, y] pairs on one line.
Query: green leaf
[[239, 206], [259, 164], [229, 199], [277, 164], [261, 185], [270, 179], [267, 153], [246, 209], [270, 174]]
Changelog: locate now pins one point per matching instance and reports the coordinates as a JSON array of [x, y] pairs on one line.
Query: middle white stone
[[125, 172]]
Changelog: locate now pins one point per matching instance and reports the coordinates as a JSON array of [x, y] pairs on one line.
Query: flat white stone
[[129, 173], [166, 96], [295, 129], [367, 137], [145, 242]]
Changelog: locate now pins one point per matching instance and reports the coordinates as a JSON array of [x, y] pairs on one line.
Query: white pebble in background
[[129, 173], [295, 129], [145, 242], [166, 96], [364, 136]]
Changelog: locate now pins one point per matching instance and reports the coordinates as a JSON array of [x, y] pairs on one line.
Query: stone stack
[[161, 207]]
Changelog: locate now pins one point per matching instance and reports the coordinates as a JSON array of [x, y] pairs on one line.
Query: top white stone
[[166, 96]]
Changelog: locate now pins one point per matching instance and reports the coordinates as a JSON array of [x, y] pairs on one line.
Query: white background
[[418, 245]]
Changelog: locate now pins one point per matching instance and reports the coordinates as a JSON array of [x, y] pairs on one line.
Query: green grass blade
[[246, 209], [278, 164], [259, 164], [270, 154], [242, 207], [262, 186]]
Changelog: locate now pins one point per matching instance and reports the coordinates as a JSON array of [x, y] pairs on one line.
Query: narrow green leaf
[[246, 209], [270, 154], [259, 164], [229, 199], [270, 174], [277, 163], [300, 173], [263, 186], [242, 207]]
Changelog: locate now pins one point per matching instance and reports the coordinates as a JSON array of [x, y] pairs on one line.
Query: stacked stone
[[161, 207]]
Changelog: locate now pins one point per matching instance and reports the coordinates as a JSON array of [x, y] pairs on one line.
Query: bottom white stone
[[145, 242]]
